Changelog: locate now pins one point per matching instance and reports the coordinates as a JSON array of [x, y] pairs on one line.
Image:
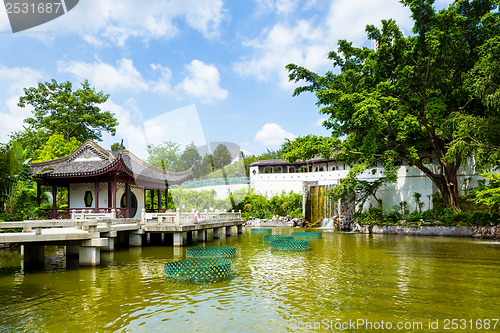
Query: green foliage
[[418, 202], [33, 138], [267, 155], [352, 189], [489, 194], [117, 146], [164, 155], [259, 206], [221, 157], [56, 147], [59, 109], [16, 161], [434, 217], [414, 97], [309, 147], [191, 158]]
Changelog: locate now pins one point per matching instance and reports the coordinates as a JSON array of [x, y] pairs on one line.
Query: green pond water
[[343, 279]]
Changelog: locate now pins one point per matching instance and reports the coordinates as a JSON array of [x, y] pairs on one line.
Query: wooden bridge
[[86, 234]]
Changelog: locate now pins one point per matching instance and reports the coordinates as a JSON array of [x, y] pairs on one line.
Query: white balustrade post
[[143, 216], [113, 213], [178, 217]]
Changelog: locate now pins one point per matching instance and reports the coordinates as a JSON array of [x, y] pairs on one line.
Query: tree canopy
[[164, 155], [221, 156], [433, 96], [56, 147], [75, 114]]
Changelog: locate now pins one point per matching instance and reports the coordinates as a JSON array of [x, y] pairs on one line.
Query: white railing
[[90, 214], [187, 218]]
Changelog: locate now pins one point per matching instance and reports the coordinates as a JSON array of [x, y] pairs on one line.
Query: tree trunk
[[447, 184]]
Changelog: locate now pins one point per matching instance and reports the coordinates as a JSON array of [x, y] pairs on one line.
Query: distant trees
[[164, 155], [221, 157]]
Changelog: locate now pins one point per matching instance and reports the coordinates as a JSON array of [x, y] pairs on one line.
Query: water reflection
[[342, 277]]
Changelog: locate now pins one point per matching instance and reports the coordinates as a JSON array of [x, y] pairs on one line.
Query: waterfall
[[327, 223]]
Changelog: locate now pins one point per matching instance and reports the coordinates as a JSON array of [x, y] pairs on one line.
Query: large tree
[[164, 155], [75, 114], [221, 156], [191, 158], [412, 97]]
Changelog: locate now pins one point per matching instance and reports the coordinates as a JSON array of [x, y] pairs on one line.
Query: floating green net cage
[[211, 252], [262, 231], [307, 235], [199, 270], [294, 245], [271, 238]]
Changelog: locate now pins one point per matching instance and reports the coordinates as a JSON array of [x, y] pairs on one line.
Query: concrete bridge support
[[240, 229], [202, 235], [194, 236], [112, 239], [229, 231], [178, 239], [135, 237], [90, 256], [216, 233], [34, 256], [90, 251], [72, 250]]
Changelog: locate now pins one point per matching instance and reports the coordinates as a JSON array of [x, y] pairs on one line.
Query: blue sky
[[192, 70]]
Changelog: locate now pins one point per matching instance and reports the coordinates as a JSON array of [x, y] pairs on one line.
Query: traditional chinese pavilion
[[101, 181]]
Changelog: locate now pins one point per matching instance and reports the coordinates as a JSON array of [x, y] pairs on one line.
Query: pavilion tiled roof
[[91, 159]]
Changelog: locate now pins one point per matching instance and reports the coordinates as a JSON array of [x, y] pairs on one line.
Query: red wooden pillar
[[113, 194], [96, 191], [159, 200], [110, 195], [54, 201], [152, 200], [38, 193], [166, 198], [129, 199]]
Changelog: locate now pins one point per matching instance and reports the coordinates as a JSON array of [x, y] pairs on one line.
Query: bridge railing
[[186, 218]]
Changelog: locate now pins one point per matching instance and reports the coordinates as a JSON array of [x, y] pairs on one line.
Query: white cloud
[[347, 19], [202, 82], [12, 82], [319, 122], [301, 43], [115, 21], [307, 42], [105, 76], [272, 134], [281, 7], [182, 126]]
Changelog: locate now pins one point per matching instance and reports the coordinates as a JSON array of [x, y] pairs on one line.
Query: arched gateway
[[101, 180]]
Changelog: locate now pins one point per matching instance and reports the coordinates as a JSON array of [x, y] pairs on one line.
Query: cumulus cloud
[[202, 82], [301, 43], [308, 41], [281, 7], [12, 82], [182, 126], [272, 134], [105, 76], [114, 21]]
